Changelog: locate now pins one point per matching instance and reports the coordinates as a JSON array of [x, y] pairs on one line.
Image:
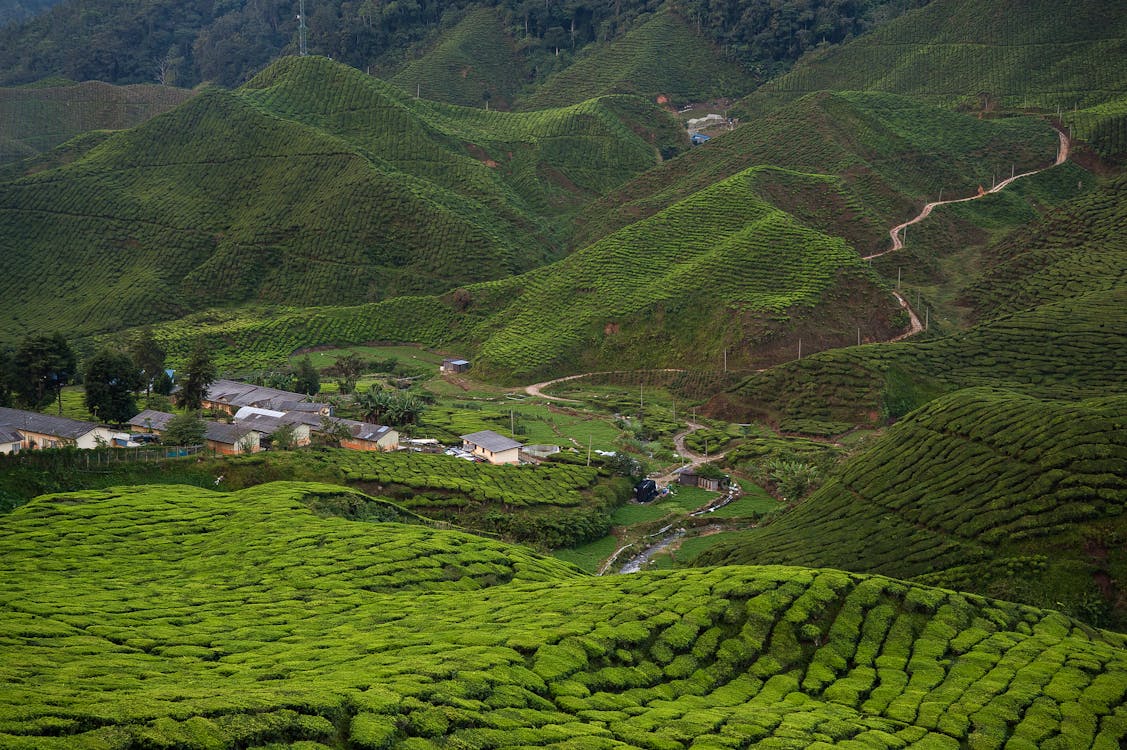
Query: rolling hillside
[[35, 120], [977, 54], [313, 184], [721, 269], [663, 56], [982, 490], [204, 619], [1050, 301], [475, 64], [889, 152]]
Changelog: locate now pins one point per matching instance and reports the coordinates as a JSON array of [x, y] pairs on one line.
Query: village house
[[151, 422], [228, 396], [370, 437], [269, 421], [37, 430], [493, 447], [231, 439]]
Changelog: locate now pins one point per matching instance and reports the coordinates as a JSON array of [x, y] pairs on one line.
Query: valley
[[670, 375]]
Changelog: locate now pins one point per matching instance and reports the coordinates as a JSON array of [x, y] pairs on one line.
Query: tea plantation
[[475, 64], [1052, 301], [187, 618], [982, 490], [314, 184], [40, 118], [663, 56], [976, 53]]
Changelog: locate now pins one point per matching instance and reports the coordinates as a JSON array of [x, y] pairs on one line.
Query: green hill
[[979, 54], [313, 184], [1050, 300], [757, 240], [662, 56], [189, 618], [982, 490], [890, 153], [721, 269], [36, 120], [474, 64]]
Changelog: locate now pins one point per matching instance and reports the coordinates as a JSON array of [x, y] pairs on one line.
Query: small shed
[[699, 138], [493, 447], [455, 365]]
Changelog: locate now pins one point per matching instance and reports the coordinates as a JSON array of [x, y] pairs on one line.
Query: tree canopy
[[184, 429], [111, 378], [201, 374], [40, 368]]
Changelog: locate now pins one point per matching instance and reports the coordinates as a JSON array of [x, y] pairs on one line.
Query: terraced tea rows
[[970, 481], [474, 65], [887, 152], [202, 619], [1066, 350], [1029, 54], [147, 217], [663, 56], [512, 485], [38, 119]]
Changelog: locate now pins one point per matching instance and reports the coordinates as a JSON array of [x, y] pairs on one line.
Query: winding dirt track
[[896, 232], [897, 243]]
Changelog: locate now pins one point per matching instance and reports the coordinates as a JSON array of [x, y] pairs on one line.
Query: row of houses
[[257, 415], [28, 430]]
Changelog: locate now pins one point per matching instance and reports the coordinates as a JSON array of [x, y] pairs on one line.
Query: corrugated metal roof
[[491, 441], [152, 419], [45, 424]]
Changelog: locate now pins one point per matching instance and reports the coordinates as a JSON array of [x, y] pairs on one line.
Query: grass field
[[203, 619]]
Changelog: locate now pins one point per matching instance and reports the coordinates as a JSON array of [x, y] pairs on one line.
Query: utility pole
[[800, 348], [725, 360], [927, 315], [858, 335], [302, 49], [898, 277], [588, 450], [512, 423]]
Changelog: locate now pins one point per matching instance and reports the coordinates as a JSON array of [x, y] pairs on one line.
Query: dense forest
[[183, 43]]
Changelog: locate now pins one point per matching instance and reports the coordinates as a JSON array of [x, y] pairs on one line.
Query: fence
[[74, 459]]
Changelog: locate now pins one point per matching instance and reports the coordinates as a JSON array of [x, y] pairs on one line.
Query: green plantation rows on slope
[[1069, 349], [663, 56], [475, 64], [1052, 299], [1080, 248], [185, 618], [990, 487], [721, 269], [1104, 126], [34, 120], [315, 184], [890, 152], [977, 53], [547, 506]]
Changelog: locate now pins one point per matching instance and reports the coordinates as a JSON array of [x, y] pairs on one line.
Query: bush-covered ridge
[[38, 119], [1054, 307], [314, 184], [663, 56], [993, 480], [975, 53], [201, 619]]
